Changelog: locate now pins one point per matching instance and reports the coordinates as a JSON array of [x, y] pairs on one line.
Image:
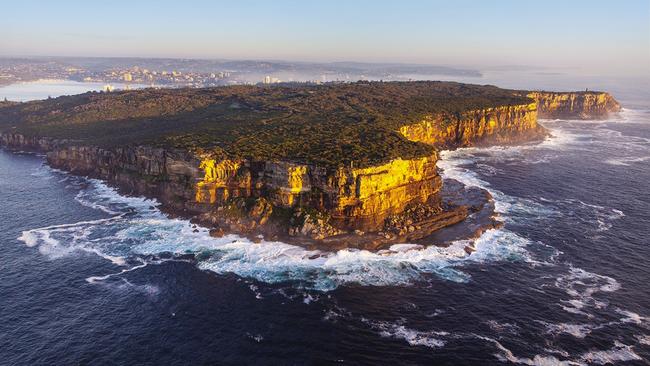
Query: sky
[[598, 36]]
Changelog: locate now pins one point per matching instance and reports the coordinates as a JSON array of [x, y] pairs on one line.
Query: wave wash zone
[[347, 165]]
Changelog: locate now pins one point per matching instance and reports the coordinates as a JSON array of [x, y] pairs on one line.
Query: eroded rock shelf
[[369, 206]]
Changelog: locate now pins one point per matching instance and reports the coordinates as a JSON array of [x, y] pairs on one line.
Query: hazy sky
[[595, 36]]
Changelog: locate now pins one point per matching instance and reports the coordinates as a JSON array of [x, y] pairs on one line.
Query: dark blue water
[[90, 277]]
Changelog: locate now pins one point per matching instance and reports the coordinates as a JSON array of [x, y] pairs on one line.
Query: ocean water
[[91, 277], [42, 89]]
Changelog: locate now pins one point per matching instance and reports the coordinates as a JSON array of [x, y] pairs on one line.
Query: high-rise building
[[267, 79], [128, 77]]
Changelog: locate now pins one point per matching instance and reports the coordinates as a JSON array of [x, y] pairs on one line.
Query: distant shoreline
[[24, 91]]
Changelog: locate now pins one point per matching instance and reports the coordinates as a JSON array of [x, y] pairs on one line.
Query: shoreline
[[393, 195], [469, 213], [38, 89]]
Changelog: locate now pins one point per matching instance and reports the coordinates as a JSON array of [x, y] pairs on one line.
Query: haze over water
[[89, 276], [43, 89]]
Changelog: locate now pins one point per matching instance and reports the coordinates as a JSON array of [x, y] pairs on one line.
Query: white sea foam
[[560, 138], [117, 260], [256, 290], [454, 165], [137, 230], [619, 353], [588, 215], [501, 243], [309, 298], [411, 336], [279, 262], [80, 197], [622, 149], [632, 317], [506, 355], [58, 241], [503, 327], [94, 279], [643, 339], [124, 285], [434, 339], [582, 330], [255, 337], [627, 115], [627, 161], [42, 173], [30, 238], [576, 330], [581, 286]]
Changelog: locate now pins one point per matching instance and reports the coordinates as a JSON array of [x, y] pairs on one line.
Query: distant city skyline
[[587, 36]]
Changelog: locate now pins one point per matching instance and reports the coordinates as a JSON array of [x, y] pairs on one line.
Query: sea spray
[[135, 229]]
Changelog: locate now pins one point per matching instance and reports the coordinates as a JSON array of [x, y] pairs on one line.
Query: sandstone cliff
[[498, 125], [268, 197], [574, 105], [397, 200]]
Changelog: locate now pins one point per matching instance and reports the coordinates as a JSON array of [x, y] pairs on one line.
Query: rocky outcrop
[[371, 206], [498, 125], [244, 196], [167, 175], [574, 105], [352, 198], [32, 143]]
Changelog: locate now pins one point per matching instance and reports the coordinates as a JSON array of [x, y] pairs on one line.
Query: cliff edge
[[341, 165], [574, 105]]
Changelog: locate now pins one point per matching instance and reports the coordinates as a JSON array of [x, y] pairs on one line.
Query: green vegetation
[[324, 124]]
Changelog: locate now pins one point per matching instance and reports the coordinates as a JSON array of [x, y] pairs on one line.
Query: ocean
[[88, 276], [44, 88]]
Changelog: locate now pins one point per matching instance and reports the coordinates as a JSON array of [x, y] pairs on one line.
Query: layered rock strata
[[574, 105], [498, 125], [370, 207]]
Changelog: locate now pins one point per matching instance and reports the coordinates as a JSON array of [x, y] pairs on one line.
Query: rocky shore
[[370, 207]]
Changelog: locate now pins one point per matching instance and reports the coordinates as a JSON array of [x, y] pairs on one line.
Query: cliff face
[[251, 197], [353, 198], [18, 141], [167, 175], [400, 198], [499, 125], [397, 200], [350, 198], [578, 105]]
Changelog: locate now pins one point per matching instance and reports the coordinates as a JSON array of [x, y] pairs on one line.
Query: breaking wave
[[400, 330], [134, 228], [430, 339], [618, 353], [136, 233], [133, 234]]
